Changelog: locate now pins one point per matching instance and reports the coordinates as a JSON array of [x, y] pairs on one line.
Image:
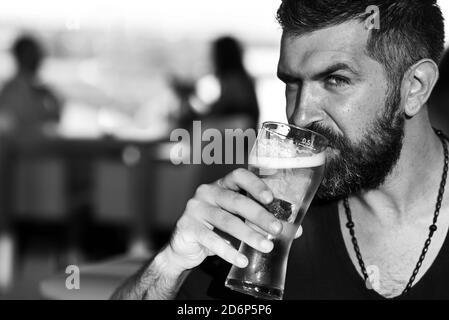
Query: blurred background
[[90, 91]]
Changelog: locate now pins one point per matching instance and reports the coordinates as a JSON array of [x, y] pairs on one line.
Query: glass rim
[[294, 127]]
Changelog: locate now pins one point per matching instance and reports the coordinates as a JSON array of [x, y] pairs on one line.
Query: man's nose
[[306, 107]]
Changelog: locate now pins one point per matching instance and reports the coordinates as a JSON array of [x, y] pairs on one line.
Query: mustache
[[336, 141]]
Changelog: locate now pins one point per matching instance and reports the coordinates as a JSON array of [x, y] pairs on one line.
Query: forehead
[[312, 52]]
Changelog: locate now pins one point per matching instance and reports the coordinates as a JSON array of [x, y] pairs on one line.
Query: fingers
[[220, 206], [242, 179], [238, 229], [221, 248], [247, 208]]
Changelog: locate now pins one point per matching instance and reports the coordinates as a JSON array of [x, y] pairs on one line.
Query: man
[[366, 90], [26, 104]]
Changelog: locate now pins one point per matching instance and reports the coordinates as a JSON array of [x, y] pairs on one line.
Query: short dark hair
[[410, 30], [28, 53], [228, 56]]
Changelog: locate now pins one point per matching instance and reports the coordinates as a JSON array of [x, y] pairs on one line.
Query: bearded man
[[382, 202]]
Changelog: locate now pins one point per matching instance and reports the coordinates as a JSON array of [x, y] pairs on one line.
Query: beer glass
[[290, 160]]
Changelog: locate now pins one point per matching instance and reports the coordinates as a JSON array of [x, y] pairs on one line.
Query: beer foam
[[276, 148], [309, 161]]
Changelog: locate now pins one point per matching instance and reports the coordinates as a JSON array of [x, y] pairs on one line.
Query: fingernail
[[266, 245], [242, 261], [276, 227], [267, 196]]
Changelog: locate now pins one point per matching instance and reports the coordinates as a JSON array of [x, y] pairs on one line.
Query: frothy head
[[284, 153], [310, 161]]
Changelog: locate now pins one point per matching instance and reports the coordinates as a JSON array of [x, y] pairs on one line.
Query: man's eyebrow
[[291, 78], [334, 68]]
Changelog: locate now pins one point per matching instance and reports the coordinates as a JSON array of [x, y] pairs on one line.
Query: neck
[[411, 189]]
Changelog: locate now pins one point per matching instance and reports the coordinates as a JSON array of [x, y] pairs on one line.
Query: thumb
[[298, 233]]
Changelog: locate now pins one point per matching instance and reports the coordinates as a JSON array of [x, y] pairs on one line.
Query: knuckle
[[220, 183], [202, 190], [182, 224], [192, 205], [238, 173], [240, 204], [223, 219], [235, 198]]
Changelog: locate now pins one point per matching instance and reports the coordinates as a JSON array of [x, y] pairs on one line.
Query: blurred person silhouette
[[439, 101], [26, 104], [236, 98], [27, 108], [224, 100]]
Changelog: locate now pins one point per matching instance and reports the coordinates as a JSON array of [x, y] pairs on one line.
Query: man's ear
[[419, 81]]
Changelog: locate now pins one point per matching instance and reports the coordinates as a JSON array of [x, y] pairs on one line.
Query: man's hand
[[218, 206], [221, 206]]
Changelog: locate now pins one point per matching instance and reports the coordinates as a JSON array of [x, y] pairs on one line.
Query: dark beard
[[366, 165]]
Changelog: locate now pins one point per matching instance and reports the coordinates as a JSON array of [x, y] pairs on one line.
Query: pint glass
[[290, 160]]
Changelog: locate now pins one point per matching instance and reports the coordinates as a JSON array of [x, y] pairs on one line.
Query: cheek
[[354, 113]]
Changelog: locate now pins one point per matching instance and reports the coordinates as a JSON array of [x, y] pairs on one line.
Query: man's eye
[[337, 81]]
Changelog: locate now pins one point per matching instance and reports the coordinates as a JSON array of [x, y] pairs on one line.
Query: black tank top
[[319, 267]]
